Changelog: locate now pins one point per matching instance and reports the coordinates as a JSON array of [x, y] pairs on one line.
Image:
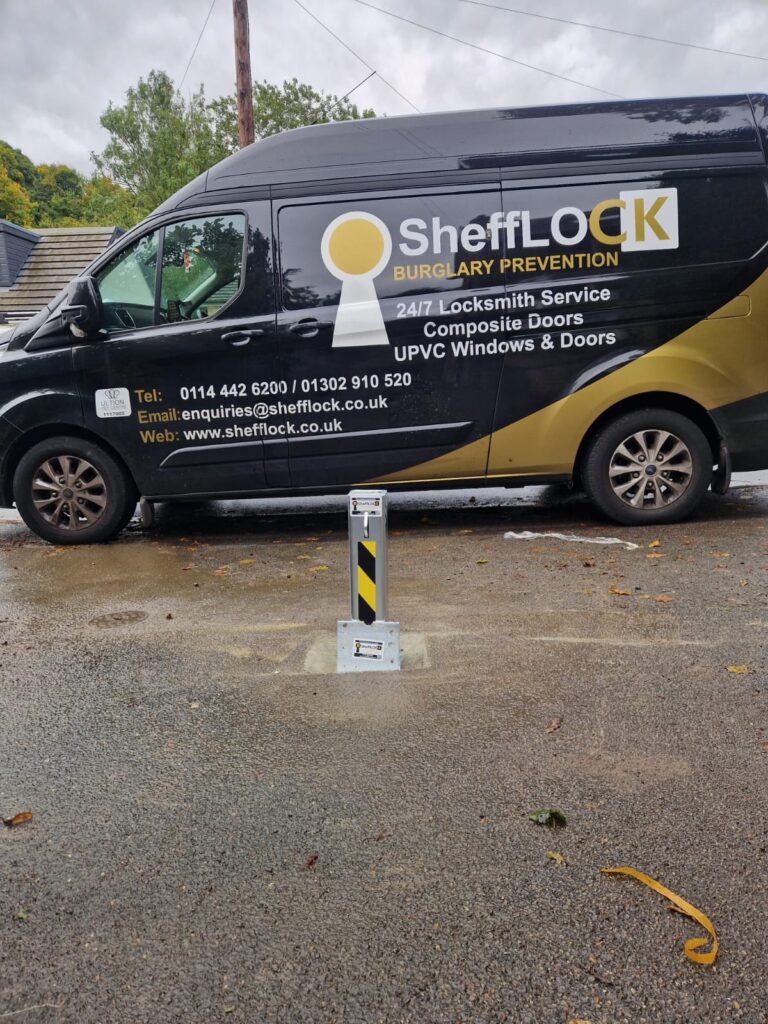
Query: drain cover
[[117, 619]]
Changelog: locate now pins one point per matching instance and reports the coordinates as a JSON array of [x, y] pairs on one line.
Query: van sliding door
[[386, 333]]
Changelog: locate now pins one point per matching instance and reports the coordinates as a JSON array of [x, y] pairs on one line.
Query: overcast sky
[[63, 61]]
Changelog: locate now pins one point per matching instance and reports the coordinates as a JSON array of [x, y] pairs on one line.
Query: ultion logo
[[356, 247]]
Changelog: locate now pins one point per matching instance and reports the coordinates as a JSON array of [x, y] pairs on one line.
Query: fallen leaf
[[548, 816], [621, 593], [558, 858], [466, 531], [736, 670], [222, 571], [663, 598], [655, 554], [20, 915], [310, 862], [655, 544], [578, 1020], [18, 819], [246, 561], [308, 557], [554, 724], [482, 561], [743, 583], [319, 568], [764, 747]]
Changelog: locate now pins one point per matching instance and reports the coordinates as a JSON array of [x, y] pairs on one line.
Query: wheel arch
[[29, 438], [652, 399]]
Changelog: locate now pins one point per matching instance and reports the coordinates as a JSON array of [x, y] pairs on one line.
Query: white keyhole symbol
[[356, 247]]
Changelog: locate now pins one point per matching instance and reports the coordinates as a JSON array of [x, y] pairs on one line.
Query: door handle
[[308, 328], [241, 337]]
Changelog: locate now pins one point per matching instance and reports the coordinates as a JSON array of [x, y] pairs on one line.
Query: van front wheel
[[648, 466], [71, 491]]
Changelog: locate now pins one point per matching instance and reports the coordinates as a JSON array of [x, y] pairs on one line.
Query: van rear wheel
[[69, 490], [648, 466]]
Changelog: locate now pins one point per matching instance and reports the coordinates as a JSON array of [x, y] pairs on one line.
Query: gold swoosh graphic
[[719, 360]]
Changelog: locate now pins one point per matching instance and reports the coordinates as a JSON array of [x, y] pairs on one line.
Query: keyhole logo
[[356, 247]]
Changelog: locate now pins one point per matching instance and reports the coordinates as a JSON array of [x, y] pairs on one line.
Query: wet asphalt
[[220, 834]]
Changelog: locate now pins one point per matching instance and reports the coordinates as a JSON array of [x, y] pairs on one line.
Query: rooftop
[[55, 258]]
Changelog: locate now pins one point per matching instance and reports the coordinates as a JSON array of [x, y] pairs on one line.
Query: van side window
[[201, 269], [201, 266], [127, 286]]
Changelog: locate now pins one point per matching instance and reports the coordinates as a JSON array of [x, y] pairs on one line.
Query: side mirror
[[82, 314]]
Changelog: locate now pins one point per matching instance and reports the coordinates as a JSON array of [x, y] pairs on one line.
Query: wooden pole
[[243, 69]]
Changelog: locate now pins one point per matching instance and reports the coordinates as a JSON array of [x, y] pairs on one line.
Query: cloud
[[64, 62]]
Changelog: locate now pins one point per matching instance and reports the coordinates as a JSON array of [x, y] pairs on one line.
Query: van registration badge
[[112, 402]]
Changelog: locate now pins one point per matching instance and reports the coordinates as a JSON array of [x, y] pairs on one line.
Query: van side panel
[[639, 305]]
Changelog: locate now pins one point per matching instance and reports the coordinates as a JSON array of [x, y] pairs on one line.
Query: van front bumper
[[8, 435]]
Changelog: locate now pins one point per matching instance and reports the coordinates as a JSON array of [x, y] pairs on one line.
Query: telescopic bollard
[[368, 642]]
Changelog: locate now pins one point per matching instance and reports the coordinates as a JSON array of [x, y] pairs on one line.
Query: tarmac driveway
[[220, 833]]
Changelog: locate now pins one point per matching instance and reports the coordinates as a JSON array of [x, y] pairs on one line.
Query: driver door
[[188, 326]]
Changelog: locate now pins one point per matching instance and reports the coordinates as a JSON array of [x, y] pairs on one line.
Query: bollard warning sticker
[[371, 650], [365, 506]]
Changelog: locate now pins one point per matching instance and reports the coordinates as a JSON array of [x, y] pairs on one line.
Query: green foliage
[[279, 108], [15, 204], [19, 167], [54, 195], [158, 141]]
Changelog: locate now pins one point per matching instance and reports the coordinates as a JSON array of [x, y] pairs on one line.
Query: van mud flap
[[721, 478]]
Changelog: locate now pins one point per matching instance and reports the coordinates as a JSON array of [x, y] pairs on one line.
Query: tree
[[278, 108], [159, 140], [152, 151], [15, 203], [19, 167], [105, 202], [57, 195]]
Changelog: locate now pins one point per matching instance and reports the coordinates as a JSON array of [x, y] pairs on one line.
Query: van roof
[[583, 133]]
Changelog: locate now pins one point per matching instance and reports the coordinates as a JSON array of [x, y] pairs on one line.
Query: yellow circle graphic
[[356, 246]]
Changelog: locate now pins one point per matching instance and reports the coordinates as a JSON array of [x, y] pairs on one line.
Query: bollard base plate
[[361, 648]]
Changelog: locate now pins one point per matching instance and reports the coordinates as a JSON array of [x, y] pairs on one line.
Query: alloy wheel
[[69, 492], [650, 469]]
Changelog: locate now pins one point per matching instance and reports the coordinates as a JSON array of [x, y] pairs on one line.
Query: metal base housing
[[361, 648]]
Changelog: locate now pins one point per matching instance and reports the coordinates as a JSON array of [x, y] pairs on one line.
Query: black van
[[501, 297]]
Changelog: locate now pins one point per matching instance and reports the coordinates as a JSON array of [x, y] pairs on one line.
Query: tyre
[[648, 466], [69, 490]]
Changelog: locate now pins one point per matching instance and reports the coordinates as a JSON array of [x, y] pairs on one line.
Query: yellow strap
[[684, 907]]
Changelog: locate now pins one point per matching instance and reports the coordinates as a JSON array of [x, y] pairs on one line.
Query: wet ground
[[219, 833]]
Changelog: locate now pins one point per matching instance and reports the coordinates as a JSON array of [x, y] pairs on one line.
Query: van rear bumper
[[8, 434], [743, 427]]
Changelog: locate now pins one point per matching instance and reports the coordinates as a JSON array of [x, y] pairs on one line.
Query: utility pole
[[243, 68]]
